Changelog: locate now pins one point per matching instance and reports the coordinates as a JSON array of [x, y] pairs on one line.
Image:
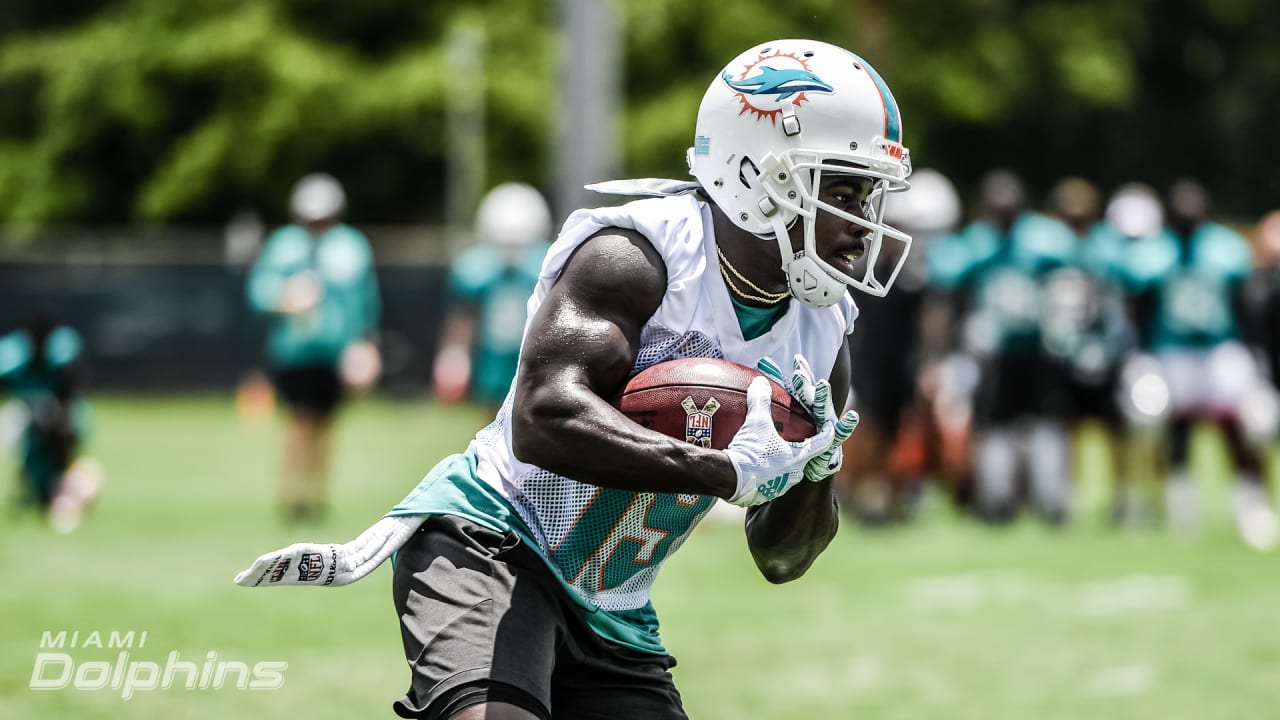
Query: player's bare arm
[[579, 351], [786, 535]]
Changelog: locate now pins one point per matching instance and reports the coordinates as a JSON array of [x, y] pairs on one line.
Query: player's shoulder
[[1044, 235], [477, 265], [1152, 256], [1225, 247], [286, 244], [672, 225], [347, 237], [619, 254], [945, 258], [63, 346], [15, 351], [288, 235], [952, 259], [653, 238], [1220, 236]]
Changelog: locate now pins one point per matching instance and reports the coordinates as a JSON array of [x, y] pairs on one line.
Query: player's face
[[837, 240]]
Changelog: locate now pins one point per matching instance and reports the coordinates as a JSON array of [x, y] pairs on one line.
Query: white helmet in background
[[316, 197], [775, 120], [513, 215], [930, 205], [1135, 210]]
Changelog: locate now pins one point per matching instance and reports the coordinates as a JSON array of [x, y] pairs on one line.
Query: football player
[[488, 286], [1085, 326], [1188, 280], [41, 366], [995, 270], [314, 281], [1135, 212], [525, 563], [1264, 295]]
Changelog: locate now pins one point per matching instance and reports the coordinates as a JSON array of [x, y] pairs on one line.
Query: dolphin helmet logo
[[772, 82]]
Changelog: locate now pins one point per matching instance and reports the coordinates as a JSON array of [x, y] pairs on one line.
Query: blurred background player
[[316, 284], [489, 289], [40, 365], [1135, 212], [1260, 414], [1263, 296], [1188, 281], [994, 270], [886, 460], [1086, 329]]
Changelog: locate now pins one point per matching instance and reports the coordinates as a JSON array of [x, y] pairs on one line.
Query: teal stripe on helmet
[[892, 121]]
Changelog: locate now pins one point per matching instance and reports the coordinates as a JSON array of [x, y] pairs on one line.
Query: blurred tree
[[177, 112], [159, 111]]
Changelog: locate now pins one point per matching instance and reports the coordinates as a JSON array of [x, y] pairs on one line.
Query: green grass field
[[944, 619]]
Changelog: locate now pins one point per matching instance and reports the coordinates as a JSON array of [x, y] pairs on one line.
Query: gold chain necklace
[[764, 296]]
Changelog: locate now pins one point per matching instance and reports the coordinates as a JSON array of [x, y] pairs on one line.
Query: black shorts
[[1014, 386], [1096, 401], [314, 389], [483, 619]]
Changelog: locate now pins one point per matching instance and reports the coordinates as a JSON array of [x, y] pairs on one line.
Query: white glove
[[767, 466], [326, 565], [816, 396]]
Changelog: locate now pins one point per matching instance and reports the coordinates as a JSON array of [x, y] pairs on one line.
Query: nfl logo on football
[[697, 425]]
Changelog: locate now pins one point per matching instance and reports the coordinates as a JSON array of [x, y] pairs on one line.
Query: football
[[704, 401]]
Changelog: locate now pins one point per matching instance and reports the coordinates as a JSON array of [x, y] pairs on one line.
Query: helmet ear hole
[[746, 169]]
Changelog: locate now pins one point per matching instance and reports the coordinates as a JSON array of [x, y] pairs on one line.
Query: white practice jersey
[[608, 544]]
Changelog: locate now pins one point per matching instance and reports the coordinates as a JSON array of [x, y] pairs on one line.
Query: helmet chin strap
[[808, 281]]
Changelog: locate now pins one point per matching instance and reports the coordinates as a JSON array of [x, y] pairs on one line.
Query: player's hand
[[816, 396], [767, 466], [360, 365], [329, 565], [301, 292], [801, 385], [451, 374]]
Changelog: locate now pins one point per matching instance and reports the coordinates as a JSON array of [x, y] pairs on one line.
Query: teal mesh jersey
[[348, 309], [1192, 281], [1001, 276], [498, 289]]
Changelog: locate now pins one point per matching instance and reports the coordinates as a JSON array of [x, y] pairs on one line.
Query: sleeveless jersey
[[606, 544], [1002, 273], [1193, 282]]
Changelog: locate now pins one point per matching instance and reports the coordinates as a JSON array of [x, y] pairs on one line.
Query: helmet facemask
[[793, 184]]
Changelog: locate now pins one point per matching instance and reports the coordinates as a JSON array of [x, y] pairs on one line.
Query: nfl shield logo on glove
[[697, 424], [310, 566]]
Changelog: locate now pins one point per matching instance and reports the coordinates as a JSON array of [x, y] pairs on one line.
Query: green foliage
[[151, 110]]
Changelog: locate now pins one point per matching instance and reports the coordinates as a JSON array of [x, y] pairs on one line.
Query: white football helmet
[[316, 197], [932, 205], [513, 215], [1135, 210], [777, 118]]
